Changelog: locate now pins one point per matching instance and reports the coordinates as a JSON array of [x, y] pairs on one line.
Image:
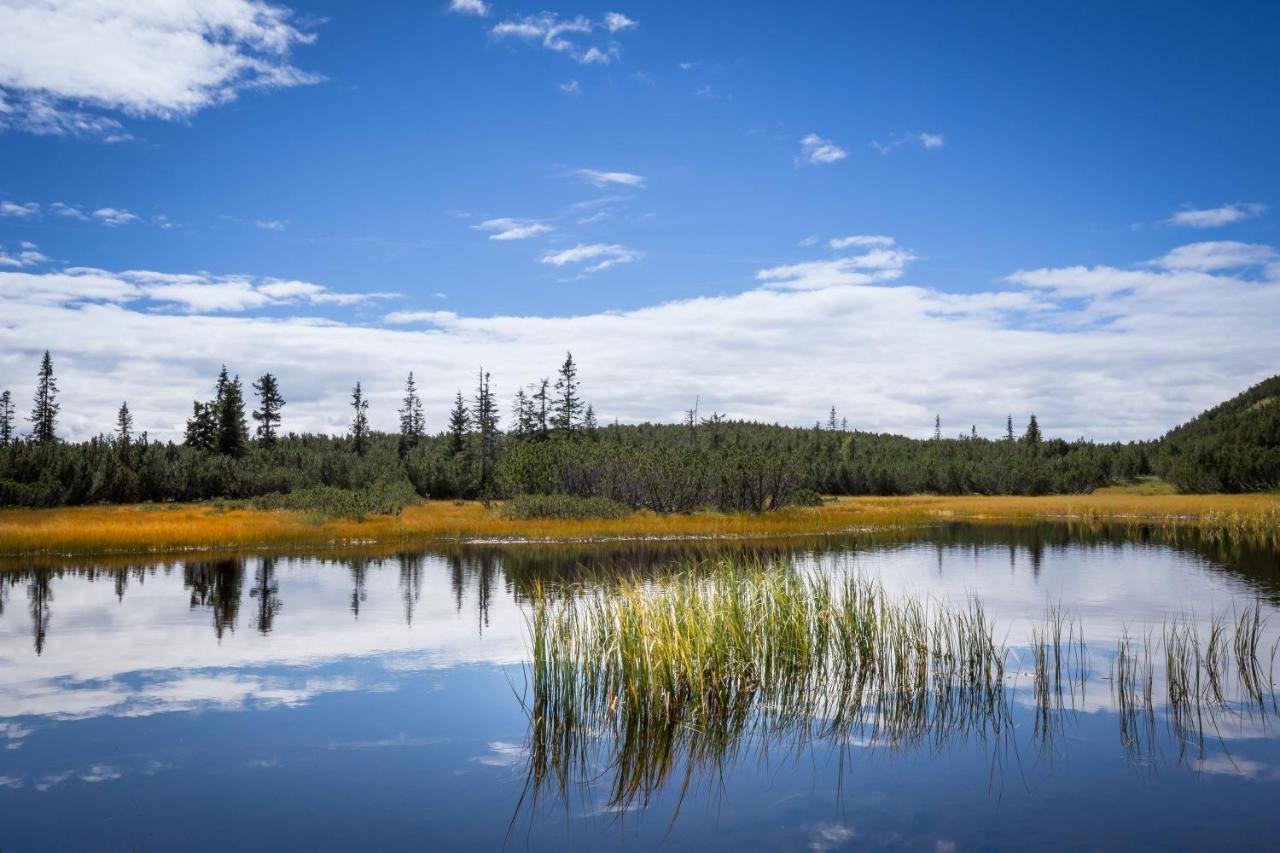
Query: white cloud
[[1217, 216], [469, 7], [814, 150], [68, 210], [29, 255], [506, 228], [21, 211], [571, 87], [1218, 255], [114, 216], [924, 140], [598, 178], [860, 240], [616, 22], [195, 293], [270, 224], [687, 66], [1063, 342], [60, 58], [811, 240], [597, 256], [563, 35]]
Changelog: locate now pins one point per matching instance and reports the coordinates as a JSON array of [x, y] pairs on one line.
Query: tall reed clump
[[684, 672]]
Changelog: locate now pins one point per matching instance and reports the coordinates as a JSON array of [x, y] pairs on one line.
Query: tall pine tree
[[568, 404], [268, 412], [124, 424], [459, 425], [232, 436], [6, 419], [44, 409], [485, 416], [413, 424], [359, 421]]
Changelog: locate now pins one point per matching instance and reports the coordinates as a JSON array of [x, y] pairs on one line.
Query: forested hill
[[552, 444], [1234, 446]]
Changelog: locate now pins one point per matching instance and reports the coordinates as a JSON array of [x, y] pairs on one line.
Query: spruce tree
[[459, 425], [360, 420], [526, 416], [413, 424], [541, 407], [589, 421], [1032, 436], [232, 432], [6, 419], [44, 411], [568, 405], [124, 424], [1008, 429], [485, 416], [831, 420], [201, 427], [268, 412]]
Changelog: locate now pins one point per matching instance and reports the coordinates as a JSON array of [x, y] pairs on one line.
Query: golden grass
[[150, 528]]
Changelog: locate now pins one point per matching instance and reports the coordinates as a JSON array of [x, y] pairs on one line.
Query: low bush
[[528, 507], [378, 498]]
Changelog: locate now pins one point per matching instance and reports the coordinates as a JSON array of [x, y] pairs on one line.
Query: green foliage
[[380, 498], [1233, 447], [562, 507]]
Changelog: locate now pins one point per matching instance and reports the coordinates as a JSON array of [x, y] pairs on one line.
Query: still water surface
[[320, 704]]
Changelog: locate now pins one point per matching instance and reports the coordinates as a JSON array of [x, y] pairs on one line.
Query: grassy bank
[[153, 528]]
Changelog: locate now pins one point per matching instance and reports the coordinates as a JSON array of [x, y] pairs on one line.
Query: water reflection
[[129, 665]]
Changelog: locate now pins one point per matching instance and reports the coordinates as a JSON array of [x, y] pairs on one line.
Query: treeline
[[552, 444]]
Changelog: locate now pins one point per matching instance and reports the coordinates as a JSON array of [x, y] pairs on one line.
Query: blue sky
[[348, 159]]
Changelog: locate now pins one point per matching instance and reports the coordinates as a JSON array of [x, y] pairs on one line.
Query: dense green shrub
[[380, 498], [565, 507]]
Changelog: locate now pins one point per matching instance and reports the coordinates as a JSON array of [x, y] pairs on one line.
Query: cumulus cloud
[[70, 211], [596, 256], [59, 59], [565, 35], [597, 178], [506, 228], [469, 7], [814, 150], [616, 22], [1196, 325], [1215, 217]]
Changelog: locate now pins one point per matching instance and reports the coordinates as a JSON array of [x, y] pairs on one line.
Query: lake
[[379, 702]]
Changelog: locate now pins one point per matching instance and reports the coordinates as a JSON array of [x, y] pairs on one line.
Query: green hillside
[[1233, 447]]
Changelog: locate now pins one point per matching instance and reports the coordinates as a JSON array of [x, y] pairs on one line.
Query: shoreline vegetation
[[241, 526]]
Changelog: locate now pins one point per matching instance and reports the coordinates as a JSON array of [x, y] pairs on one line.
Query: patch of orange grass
[[150, 528]]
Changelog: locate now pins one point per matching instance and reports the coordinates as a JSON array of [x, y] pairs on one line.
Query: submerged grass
[[151, 528]]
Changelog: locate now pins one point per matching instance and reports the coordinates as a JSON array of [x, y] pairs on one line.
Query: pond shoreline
[[157, 529]]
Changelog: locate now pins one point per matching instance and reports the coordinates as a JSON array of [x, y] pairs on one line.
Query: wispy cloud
[[27, 255], [114, 216], [71, 67], [870, 240], [565, 35], [881, 263], [21, 211], [571, 87], [71, 211], [469, 7], [1215, 217], [270, 224], [814, 151], [596, 256], [506, 228], [597, 178], [924, 140]]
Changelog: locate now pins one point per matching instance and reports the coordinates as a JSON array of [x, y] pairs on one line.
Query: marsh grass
[[685, 673], [645, 681]]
